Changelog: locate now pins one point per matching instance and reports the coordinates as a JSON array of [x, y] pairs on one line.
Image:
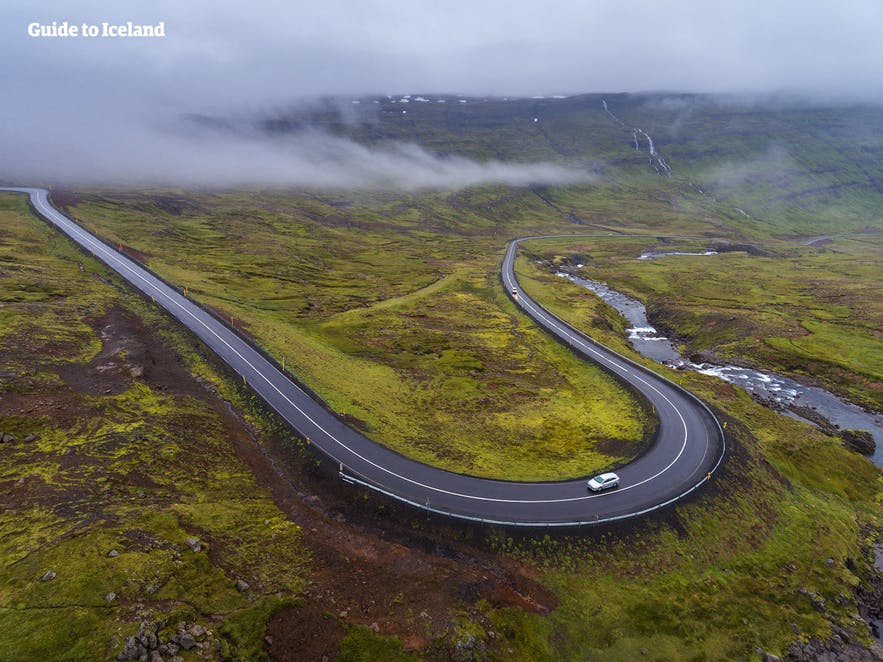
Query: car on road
[[603, 482]]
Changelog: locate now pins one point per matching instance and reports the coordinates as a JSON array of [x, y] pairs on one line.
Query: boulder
[[860, 441], [131, 651], [50, 574], [186, 641], [242, 586], [194, 544]]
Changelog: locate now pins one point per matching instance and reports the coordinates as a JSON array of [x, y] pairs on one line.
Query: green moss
[[809, 312], [362, 644], [413, 339], [135, 468]]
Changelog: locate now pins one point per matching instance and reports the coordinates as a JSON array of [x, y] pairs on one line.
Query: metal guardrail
[[427, 506], [513, 245]]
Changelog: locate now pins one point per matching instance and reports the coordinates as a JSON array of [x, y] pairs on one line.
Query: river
[[783, 393]]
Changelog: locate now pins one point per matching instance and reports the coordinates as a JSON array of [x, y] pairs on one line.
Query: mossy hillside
[[533, 410], [411, 338], [138, 469], [813, 312], [736, 568], [791, 168]]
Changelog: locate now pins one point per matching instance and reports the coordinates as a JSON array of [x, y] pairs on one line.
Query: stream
[[792, 398]]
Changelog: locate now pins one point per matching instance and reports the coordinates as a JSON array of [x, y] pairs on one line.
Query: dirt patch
[[304, 633], [373, 569], [128, 351], [371, 564]]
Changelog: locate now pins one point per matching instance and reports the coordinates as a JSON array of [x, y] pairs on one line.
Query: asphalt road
[[689, 446]]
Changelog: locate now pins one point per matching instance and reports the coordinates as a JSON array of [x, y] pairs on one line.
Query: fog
[[178, 154], [771, 166], [93, 110]]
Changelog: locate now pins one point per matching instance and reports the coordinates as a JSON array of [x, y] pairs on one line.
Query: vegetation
[[119, 457], [413, 340], [767, 556], [389, 306], [810, 311]]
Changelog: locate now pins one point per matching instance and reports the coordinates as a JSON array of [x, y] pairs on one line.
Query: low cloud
[[184, 154], [774, 166]]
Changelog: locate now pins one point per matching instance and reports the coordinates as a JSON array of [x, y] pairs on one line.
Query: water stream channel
[[783, 393]]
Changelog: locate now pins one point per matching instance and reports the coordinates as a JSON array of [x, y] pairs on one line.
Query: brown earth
[[371, 566]]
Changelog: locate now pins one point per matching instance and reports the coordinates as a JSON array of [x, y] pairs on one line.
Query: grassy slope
[[722, 574], [726, 573], [90, 483], [812, 312], [392, 311]]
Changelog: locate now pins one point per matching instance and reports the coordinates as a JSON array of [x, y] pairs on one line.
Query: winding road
[[689, 447]]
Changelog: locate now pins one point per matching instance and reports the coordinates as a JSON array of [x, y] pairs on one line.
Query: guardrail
[[513, 245], [366, 483]]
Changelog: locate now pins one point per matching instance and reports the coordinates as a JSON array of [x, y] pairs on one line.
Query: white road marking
[[40, 199]]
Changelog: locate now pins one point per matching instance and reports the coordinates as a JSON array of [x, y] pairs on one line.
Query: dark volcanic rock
[[186, 641], [859, 441]]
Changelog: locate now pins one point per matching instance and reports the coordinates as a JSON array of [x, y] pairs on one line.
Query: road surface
[[689, 446]]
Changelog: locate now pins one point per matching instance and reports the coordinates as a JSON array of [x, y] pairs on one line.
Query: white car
[[603, 482]]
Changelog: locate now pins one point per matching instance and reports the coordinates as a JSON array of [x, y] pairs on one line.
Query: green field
[[119, 428], [813, 312], [398, 325], [389, 306]]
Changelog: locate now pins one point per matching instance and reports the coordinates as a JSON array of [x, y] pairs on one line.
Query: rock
[[767, 657], [859, 441], [194, 544], [186, 641], [131, 651], [30, 438], [50, 574], [242, 586], [112, 554], [816, 600], [156, 657], [374, 626], [197, 631], [829, 562], [7, 439], [110, 597]]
